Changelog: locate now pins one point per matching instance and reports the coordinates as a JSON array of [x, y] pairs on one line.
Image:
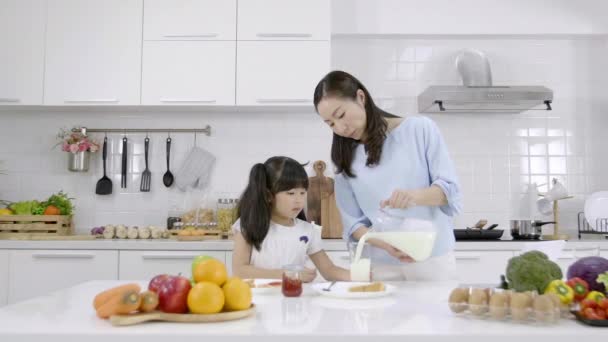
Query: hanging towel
[[196, 170]]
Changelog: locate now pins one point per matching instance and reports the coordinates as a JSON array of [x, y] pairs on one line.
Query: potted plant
[[79, 147]]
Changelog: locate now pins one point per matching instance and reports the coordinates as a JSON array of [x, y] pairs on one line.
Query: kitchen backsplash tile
[[496, 156]]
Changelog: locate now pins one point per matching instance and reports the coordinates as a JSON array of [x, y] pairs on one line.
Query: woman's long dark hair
[[341, 84], [265, 181]]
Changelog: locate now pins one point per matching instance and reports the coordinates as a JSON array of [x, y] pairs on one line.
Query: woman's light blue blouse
[[414, 156]]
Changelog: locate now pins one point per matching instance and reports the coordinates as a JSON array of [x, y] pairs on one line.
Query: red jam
[[291, 287]]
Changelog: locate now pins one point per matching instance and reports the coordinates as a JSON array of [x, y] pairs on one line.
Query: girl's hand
[[308, 274], [400, 199], [392, 250]]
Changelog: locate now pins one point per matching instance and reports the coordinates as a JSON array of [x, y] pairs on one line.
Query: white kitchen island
[[417, 312]]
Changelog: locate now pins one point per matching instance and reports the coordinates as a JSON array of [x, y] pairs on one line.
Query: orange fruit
[[211, 270], [205, 298], [237, 294]]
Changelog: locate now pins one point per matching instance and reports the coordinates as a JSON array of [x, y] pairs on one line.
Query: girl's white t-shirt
[[285, 245]]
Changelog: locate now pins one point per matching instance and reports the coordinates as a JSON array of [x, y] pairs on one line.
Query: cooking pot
[[527, 229]]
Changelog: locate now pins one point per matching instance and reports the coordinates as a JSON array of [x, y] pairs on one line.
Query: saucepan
[[527, 229]]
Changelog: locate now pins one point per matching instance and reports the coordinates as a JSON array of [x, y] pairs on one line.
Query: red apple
[[173, 295], [157, 282]]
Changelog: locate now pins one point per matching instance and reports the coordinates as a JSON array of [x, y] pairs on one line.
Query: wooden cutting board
[[132, 319], [321, 204]]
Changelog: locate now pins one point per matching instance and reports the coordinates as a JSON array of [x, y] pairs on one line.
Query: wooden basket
[[25, 226], [204, 234]]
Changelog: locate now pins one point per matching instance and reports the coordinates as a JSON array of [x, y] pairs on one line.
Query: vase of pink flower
[[79, 147]]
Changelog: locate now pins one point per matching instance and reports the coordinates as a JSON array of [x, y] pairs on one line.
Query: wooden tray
[[35, 225], [201, 237], [47, 237], [125, 320]]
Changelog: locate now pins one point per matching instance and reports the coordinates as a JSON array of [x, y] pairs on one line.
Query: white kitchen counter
[[418, 311], [227, 245]]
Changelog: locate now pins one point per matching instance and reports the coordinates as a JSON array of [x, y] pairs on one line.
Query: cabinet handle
[[346, 258], [92, 101], [283, 100], [63, 256], [167, 257], [9, 100], [468, 257], [565, 257], [187, 101], [284, 35], [202, 35]]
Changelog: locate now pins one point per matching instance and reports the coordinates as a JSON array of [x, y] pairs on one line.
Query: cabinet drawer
[[38, 272], [3, 277], [143, 265], [481, 267], [190, 20]]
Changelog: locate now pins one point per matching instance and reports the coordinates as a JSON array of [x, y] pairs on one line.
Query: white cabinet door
[[144, 265], [280, 73], [4, 259], [190, 20], [283, 20], [93, 52], [22, 59], [481, 267], [188, 73], [229, 263], [38, 272]]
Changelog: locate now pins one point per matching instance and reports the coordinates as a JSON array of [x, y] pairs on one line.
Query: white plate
[[265, 290], [596, 207], [340, 290]]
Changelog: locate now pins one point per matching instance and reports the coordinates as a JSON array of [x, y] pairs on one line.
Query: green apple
[[198, 259]]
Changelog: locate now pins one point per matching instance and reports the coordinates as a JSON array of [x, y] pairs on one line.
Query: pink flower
[[73, 148], [82, 147], [65, 147]]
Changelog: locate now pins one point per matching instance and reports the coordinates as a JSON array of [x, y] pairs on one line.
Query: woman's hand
[[308, 274], [392, 250], [400, 199]]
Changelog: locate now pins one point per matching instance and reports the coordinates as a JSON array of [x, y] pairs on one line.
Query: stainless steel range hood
[[477, 95]]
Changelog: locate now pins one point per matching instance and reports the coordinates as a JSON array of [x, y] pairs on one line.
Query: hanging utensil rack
[[206, 130]]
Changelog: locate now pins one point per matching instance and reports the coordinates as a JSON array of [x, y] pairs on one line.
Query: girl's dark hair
[[344, 85], [265, 181]]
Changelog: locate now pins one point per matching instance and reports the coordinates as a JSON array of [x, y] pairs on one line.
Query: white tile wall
[[496, 155]]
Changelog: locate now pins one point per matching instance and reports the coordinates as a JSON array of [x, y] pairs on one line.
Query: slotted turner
[[104, 185], [146, 176]]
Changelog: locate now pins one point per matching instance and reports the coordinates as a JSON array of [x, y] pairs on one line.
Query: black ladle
[[168, 176]]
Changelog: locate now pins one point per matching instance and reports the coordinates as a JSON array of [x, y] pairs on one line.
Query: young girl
[[272, 231]]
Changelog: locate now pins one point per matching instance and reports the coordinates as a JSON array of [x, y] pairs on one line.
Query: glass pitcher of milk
[[415, 237]]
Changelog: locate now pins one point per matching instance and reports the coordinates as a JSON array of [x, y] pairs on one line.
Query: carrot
[[106, 295], [149, 301], [123, 303]]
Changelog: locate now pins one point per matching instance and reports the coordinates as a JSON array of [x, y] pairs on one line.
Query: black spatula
[[104, 185]]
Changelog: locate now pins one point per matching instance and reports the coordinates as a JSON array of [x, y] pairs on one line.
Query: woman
[[383, 160]]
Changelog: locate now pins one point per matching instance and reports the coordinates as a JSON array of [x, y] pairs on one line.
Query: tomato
[[589, 313], [603, 303], [52, 210], [588, 303], [601, 313]]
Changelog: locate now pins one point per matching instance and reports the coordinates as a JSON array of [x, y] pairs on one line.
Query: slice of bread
[[373, 287]]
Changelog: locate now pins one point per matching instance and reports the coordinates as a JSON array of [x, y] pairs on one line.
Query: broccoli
[[532, 271]]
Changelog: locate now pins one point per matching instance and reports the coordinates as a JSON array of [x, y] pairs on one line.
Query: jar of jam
[[292, 281]]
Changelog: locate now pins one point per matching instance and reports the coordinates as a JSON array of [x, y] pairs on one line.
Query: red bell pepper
[[580, 287]]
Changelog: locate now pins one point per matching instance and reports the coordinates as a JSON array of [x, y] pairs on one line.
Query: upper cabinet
[[190, 20], [279, 73], [284, 19], [22, 62], [93, 52], [194, 73]]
